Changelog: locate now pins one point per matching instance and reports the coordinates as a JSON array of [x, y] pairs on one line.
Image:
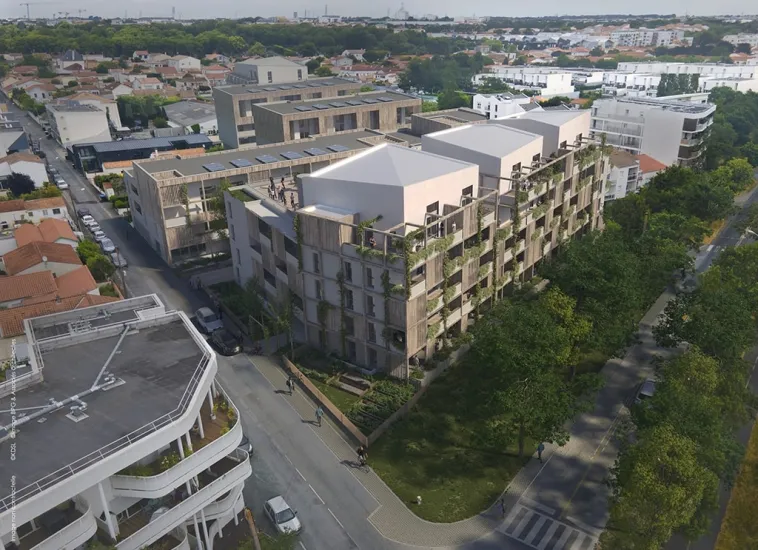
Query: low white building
[[703, 69], [624, 177], [186, 114], [146, 439], [24, 163], [548, 82], [15, 212], [630, 84], [750, 39], [149, 83], [734, 83], [109, 106], [184, 63], [646, 37], [505, 105], [72, 122]]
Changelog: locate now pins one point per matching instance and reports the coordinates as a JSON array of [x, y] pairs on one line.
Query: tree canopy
[[735, 127]]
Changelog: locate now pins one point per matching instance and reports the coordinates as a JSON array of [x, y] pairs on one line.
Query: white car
[[208, 320], [99, 236], [95, 227], [61, 184], [107, 245], [282, 516], [88, 220]]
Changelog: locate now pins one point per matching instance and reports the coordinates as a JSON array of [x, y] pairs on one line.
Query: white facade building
[[645, 37], [548, 82], [630, 84], [24, 163], [146, 441], [670, 131], [497, 106], [624, 178], [18, 211], [751, 39], [72, 122], [703, 69], [184, 63]]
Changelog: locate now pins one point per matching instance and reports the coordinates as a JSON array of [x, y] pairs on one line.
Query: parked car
[[118, 260], [208, 320], [245, 445], [88, 220], [95, 227], [282, 516], [61, 183], [107, 245], [99, 236], [102, 196], [646, 391], [226, 342], [83, 212]]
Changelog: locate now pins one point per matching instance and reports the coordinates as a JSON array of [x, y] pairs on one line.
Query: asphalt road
[[288, 458]]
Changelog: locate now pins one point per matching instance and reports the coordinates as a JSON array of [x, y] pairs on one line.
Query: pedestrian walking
[[540, 448], [282, 182], [271, 179], [290, 385], [292, 200], [319, 414], [502, 507]]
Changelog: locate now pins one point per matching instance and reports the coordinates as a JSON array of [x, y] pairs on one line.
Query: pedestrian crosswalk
[[543, 532]]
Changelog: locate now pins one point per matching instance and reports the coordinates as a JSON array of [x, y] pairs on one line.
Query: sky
[[245, 8]]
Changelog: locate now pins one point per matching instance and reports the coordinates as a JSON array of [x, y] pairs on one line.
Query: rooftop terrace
[[317, 105], [304, 85]]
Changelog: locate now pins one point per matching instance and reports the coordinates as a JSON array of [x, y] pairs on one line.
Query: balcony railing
[[161, 484], [178, 514], [73, 535]]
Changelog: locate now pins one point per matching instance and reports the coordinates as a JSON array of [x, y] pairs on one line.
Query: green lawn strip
[[434, 453], [339, 398]]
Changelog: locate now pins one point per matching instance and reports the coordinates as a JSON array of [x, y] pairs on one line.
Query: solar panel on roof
[[314, 84], [300, 86], [292, 155], [270, 89], [240, 163], [355, 102], [371, 101], [337, 148], [303, 108], [384, 98], [214, 167], [267, 159], [315, 151], [285, 87], [338, 104], [320, 106]]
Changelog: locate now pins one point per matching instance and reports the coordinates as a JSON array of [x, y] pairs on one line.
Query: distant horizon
[[236, 9]]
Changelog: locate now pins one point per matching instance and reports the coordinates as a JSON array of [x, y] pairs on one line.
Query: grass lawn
[[739, 530], [433, 453], [340, 398]]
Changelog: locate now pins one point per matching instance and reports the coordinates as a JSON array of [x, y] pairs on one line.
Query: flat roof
[[669, 105], [72, 107], [154, 367], [490, 139], [291, 87], [389, 165], [319, 148], [275, 217], [190, 140], [467, 115], [373, 99], [187, 113]]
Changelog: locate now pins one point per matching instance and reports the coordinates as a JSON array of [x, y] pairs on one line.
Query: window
[[137, 207], [316, 263], [369, 278], [269, 277], [351, 354], [349, 272], [264, 228], [372, 358], [370, 306], [231, 232], [44, 212], [229, 209], [30, 214], [348, 299], [317, 95], [300, 74], [468, 191], [536, 158], [349, 326], [341, 92], [290, 247], [516, 168], [433, 208], [319, 290], [239, 257], [134, 189], [372, 333], [56, 210], [270, 77]]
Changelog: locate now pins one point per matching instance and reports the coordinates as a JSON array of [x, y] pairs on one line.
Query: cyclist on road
[[362, 455]]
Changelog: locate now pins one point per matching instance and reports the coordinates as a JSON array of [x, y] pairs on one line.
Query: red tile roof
[[31, 254], [12, 320], [26, 286], [649, 164], [35, 204]]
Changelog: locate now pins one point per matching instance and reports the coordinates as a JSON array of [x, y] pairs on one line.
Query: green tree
[[373, 56], [257, 49], [314, 64], [367, 88], [160, 122], [87, 249], [323, 70], [597, 51], [100, 267], [658, 488], [195, 128], [19, 184], [450, 99]]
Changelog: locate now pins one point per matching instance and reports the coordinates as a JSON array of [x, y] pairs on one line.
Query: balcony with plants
[[158, 517], [222, 432], [66, 526]]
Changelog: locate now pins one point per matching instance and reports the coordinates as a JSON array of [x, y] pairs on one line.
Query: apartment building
[[285, 121], [642, 79], [434, 121], [72, 122], [267, 70], [671, 131], [630, 84], [503, 105], [547, 81], [721, 70], [646, 37], [145, 440], [396, 249], [234, 104], [169, 198], [749, 39], [624, 177]]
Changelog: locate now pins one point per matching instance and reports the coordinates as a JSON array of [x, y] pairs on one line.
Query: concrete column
[[199, 427], [210, 404], [197, 531], [106, 511], [189, 441], [205, 528], [181, 447]]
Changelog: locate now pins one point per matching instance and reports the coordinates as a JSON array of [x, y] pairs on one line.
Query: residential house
[[186, 114], [157, 60], [24, 163], [218, 58], [141, 55], [25, 70], [649, 168], [109, 106], [49, 230], [41, 256], [149, 83], [183, 63], [121, 89], [342, 62], [362, 73], [267, 70], [72, 122], [192, 81], [624, 176], [18, 211], [357, 54], [216, 74], [166, 73]]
